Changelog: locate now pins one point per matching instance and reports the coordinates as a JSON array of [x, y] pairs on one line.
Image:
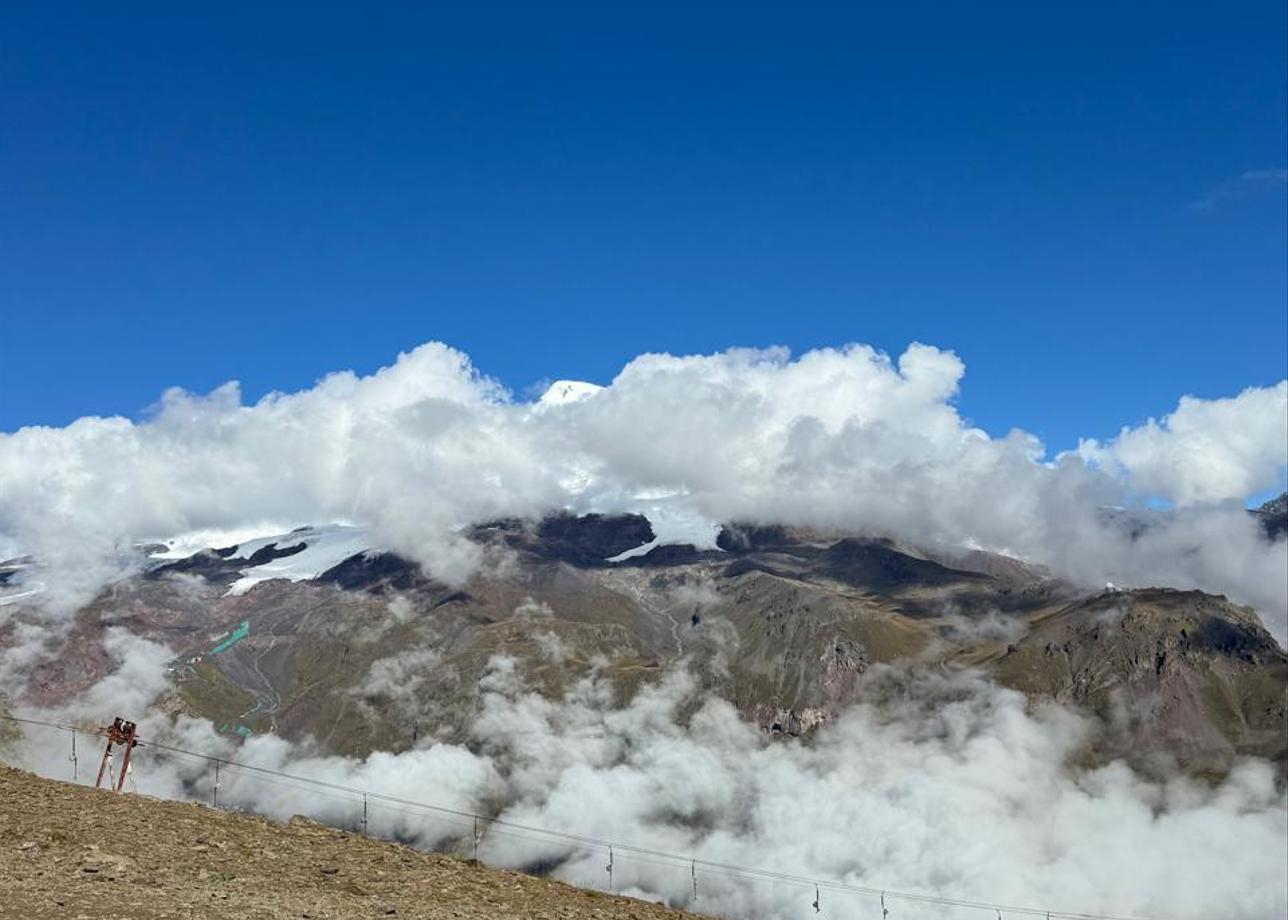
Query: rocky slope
[[72, 852]]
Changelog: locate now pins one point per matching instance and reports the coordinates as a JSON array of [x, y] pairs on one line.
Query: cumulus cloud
[[1206, 451], [940, 782], [845, 438], [935, 782]]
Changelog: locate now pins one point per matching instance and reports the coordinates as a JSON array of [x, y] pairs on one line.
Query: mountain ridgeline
[[367, 652]]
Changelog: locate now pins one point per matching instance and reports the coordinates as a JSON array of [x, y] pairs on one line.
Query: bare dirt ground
[[74, 853]]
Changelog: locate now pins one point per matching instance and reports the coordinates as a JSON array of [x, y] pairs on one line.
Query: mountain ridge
[[783, 622]]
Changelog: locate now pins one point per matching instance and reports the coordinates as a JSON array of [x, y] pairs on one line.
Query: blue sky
[[1087, 203]]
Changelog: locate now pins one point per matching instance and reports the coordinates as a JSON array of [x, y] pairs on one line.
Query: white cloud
[[1206, 451], [951, 786], [935, 782], [835, 437], [396, 679], [530, 609]]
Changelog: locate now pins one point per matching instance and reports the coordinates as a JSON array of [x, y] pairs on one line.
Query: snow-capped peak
[[562, 392]]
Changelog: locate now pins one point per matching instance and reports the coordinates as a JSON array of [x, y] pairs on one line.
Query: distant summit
[[562, 392], [1274, 516]]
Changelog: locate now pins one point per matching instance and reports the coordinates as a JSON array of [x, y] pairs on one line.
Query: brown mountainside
[[374, 655]]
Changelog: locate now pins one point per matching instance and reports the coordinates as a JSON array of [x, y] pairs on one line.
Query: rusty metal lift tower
[[121, 732]]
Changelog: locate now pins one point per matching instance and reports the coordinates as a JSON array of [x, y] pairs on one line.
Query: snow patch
[[31, 590], [631, 553], [325, 548], [673, 524], [183, 545]]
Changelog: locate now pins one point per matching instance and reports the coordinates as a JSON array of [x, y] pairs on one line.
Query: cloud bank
[[935, 782], [845, 438]]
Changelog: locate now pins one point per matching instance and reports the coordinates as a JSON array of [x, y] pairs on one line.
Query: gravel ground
[[71, 852]]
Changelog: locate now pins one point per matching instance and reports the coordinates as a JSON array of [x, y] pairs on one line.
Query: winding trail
[[636, 593]]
